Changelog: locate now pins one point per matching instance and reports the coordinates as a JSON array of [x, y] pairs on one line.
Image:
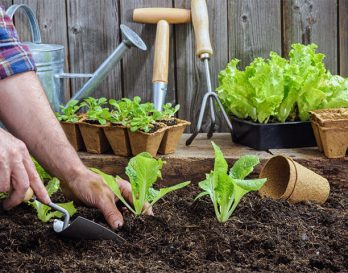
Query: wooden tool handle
[[200, 22], [161, 59], [154, 15], [28, 195]]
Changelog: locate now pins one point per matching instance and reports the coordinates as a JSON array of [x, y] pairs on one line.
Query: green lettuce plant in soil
[[143, 171], [45, 213], [226, 189], [278, 89], [262, 235]]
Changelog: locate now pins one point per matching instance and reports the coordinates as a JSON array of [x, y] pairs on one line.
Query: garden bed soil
[[262, 236]]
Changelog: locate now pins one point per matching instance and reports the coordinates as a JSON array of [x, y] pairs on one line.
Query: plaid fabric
[[14, 57]]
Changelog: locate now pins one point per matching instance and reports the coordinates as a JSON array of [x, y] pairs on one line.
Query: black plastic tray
[[273, 135]]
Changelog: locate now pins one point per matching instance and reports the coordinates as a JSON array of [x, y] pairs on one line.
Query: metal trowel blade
[[82, 228]]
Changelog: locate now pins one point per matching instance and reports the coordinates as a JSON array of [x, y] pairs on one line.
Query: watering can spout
[[130, 38], [49, 60]]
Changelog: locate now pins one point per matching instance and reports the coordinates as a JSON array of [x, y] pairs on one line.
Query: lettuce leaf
[[277, 89], [227, 189], [44, 212], [143, 171]]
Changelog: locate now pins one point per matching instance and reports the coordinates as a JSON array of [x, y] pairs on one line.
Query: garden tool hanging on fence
[[162, 17], [204, 51]]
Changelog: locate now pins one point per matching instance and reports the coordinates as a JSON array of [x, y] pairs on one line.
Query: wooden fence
[[241, 29]]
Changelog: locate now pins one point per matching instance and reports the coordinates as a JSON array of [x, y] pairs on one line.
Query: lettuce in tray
[[278, 89]]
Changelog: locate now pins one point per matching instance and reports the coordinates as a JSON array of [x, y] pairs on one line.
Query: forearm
[[26, 113]]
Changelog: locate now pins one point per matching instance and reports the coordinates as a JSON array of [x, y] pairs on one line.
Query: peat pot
[[330, 128], [117, 137], [172, 137], [146, 142], [73, 134], [94, 137]]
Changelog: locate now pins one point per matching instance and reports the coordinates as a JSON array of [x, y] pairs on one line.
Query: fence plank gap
[[312, 21], [93, 28], [343, 38]]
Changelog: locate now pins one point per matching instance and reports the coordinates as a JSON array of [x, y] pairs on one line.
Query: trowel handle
[[200, 22], [161, 59]]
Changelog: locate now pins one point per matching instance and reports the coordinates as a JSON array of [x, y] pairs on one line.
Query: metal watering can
[[49, 59]]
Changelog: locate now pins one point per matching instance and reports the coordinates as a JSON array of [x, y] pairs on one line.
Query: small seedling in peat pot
[[168, 113], [69, 112], [68, 119], [96, 113], [176, 128], [145, 134], [92, 125], [227, 189], [143, 171]]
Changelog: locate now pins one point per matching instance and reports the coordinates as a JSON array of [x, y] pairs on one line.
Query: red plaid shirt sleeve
[[15, 57]]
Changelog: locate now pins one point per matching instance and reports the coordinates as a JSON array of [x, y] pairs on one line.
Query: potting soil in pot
[[263, 235]]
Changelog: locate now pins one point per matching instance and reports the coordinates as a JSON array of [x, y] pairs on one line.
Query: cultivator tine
[[200, 120]]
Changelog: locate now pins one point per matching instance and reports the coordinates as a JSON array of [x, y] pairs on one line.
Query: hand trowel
[[80, 228]]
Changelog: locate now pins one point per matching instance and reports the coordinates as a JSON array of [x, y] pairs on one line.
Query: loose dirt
[[262, 236]]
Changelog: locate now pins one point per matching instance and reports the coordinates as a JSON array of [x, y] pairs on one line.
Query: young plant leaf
[[45, 213], [143, 171], [112, 183], [226, 190], [244, 166], [163, 191]]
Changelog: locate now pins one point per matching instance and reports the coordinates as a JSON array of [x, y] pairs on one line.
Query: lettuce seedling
[[69, 112], [227, 189], [45, 213], [95, 111], [143, 171], [168, 111]]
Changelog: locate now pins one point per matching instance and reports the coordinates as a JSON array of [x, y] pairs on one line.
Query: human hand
[[17, 172], [90, 188]]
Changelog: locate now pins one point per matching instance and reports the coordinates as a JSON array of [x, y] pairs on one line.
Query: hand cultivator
[[204, 51]]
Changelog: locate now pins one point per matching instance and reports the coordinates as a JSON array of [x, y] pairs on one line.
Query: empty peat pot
[[330, 127], [289, 180]]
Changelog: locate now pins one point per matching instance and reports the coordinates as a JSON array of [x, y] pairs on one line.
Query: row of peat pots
[[328, 129], [95, 138]]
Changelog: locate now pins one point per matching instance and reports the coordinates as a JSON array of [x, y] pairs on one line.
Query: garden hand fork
[[204, 51]]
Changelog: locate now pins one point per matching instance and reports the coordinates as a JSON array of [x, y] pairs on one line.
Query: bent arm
[[25, 111]]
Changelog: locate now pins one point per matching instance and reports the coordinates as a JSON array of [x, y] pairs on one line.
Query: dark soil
[[154, 128], [95, 122], [169, 122], [262, 236]]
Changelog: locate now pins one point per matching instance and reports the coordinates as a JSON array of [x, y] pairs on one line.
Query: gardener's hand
[[90, 188], [17, 172]]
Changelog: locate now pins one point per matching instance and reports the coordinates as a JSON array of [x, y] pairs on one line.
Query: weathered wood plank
[[312, 21], [343, 38], [138, 65], [191, 81], [191, 163], [6, 3], [254, 28], [51, 15], [93, 29]]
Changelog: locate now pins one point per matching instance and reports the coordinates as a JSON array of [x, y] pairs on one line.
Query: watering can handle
[[34, 25]]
